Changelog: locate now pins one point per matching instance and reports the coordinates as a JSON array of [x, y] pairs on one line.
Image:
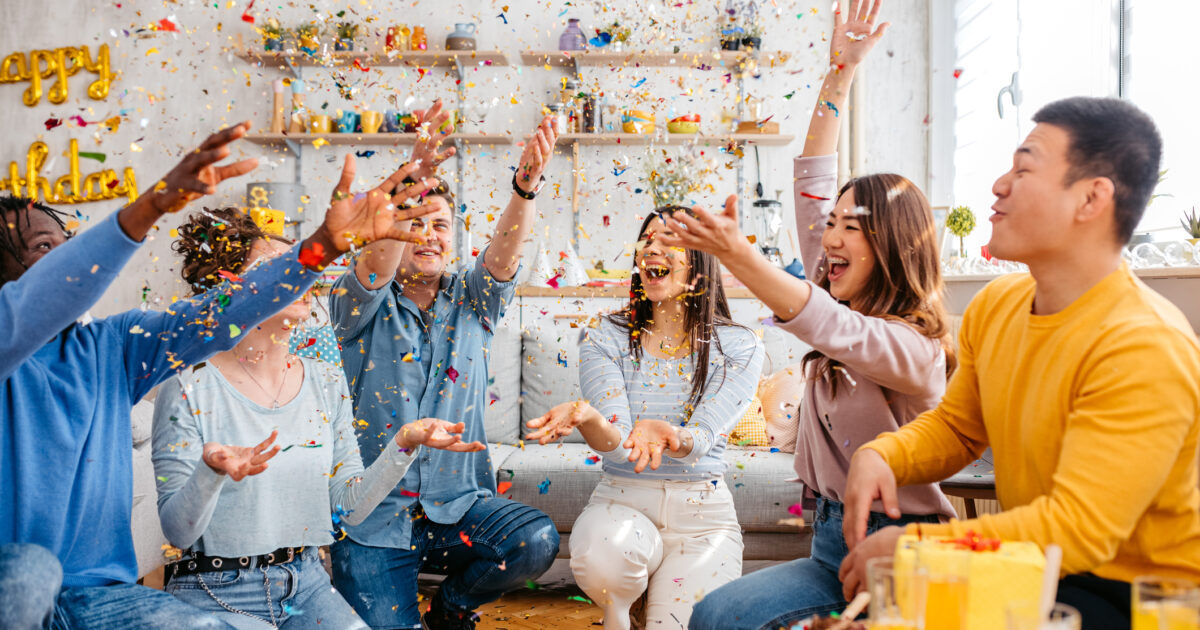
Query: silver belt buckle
[[291, 554]]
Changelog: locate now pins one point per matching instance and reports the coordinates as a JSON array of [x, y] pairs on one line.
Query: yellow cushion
[[1013, 572], [751, 430]]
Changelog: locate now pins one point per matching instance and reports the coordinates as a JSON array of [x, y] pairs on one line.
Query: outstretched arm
[[78, 272], [503, 257], [854, 35], [376, 265]]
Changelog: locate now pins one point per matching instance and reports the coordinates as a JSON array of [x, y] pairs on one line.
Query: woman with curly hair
[[251, 535]]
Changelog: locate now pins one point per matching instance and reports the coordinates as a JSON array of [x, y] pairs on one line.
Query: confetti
[[289, 609], [234, 331], [831, 107], [531, 585], [312, 257], [52, 123], [577, 598], [592, 460], [958, 72], [796, 510], [409, 493], [544, 486], [364, 154], [812, 196], [503, 487], [453, 374], [466, 539], [99, 157]]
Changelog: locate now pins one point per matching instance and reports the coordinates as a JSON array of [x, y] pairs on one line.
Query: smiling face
[[428, 261], [664, 271], [848, 254], [1034, 213], [36, 234]]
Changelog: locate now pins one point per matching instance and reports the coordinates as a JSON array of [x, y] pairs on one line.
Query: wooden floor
[[549, 606]]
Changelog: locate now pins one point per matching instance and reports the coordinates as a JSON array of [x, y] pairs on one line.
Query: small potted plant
[[752, 38], [960, 222], [346, 32], [307, 37], [613, 34], [272, 34], [1191, 225]]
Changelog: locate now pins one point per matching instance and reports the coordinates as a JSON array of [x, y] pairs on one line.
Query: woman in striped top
[[664, 381]]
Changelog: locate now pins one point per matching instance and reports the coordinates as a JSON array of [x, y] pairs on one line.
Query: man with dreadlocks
[[66, 390]]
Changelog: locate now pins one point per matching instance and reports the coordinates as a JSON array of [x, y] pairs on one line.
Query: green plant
[[960, 222], [272, 29], [347, 30], [673, 178], [307, 31], [754, 29], [1191, 223]]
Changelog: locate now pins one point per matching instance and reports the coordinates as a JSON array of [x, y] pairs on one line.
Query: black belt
[[201, 563]]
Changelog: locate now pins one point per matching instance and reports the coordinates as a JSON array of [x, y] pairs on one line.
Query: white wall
[[174, 89]]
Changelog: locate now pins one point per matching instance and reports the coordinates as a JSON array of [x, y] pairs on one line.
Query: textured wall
[[175, 88]]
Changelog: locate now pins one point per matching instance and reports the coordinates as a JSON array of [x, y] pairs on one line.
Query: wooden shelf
[[763, 139], [614, 291], [695, 59], [369, 139], [368, 58]]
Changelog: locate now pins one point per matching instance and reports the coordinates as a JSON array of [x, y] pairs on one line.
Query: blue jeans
[[781, 595], [31, 597], [299, 595], [509, 543]]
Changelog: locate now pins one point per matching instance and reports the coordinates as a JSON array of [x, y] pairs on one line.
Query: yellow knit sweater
[[1093, 414]]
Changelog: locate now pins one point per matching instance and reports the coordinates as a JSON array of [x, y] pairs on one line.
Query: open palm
[[436, 433], [559, 422], [239, 462], [648, 440], [197, 174], [854, 31], [713, 233], [354, 220]]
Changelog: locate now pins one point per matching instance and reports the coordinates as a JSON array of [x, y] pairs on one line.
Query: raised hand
[[354, 220], [432, 135], [647, 442], [539, 149], [435, 433], [854, 31], [197, 174], [239, 462], [559, 422], [716, 234]]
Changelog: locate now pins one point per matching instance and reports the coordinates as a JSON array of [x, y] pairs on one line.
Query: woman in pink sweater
[[874, 316]]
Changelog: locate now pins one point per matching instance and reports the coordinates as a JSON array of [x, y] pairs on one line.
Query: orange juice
[[1165, 616], [946, 604]]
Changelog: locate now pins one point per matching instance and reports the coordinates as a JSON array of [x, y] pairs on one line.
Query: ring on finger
[[339, 195]]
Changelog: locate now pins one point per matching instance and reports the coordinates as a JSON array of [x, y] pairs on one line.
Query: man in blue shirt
[[66, 389], [414, 341]]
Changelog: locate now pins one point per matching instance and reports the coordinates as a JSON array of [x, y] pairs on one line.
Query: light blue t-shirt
[[404, 365], [625, 391]]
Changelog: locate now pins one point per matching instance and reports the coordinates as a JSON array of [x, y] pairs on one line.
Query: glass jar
[[561, 121]]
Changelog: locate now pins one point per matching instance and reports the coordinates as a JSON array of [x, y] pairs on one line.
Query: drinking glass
[[897, 596], [1161, 603]]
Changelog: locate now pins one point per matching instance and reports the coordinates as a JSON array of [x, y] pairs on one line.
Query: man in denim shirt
[[414, 342]]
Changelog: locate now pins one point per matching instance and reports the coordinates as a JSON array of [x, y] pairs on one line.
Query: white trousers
[[674, 540]]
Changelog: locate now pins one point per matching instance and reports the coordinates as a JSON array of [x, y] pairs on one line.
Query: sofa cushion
[[549, 368], [758, 479], [503, 414], [781, 394]]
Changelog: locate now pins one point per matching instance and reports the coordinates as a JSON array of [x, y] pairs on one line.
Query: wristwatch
[[529, 195]]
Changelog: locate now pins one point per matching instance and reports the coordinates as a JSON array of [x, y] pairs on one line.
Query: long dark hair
[[705, 308], [906, 283]]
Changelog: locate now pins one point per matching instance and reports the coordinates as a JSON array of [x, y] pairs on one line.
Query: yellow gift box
[[994, 577]]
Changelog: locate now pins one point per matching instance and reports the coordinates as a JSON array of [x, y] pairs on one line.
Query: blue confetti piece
[[371, 278], [288, 609], [562, 359], [620, 171], [637, 191], [501, 16], [831, 106], [562, 13], [462, 207], [774, 450], [544, 487], [364, 154], [639, 83]]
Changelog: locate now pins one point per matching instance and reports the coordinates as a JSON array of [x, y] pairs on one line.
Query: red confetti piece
[[503, 486], [453, 374], [246, 17], [562, 255], [466, 539], [974, 542], [607, 221], [409, 493], [474, 251], [985, 252], [312, 257], [360, 66], [958, 72], [232, 277], [796, 510], [52, 123], [310, 343], [554, 281], [167, 25], [811, 196]]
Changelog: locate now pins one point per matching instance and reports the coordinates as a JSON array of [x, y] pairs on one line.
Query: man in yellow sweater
[[1085, 383]]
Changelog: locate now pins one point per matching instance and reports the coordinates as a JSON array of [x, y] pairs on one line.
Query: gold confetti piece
[[151, 51], [320, 142], [135, 148], [174, 233]]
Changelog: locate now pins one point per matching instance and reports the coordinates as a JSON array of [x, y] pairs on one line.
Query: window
[[1012, 57]]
